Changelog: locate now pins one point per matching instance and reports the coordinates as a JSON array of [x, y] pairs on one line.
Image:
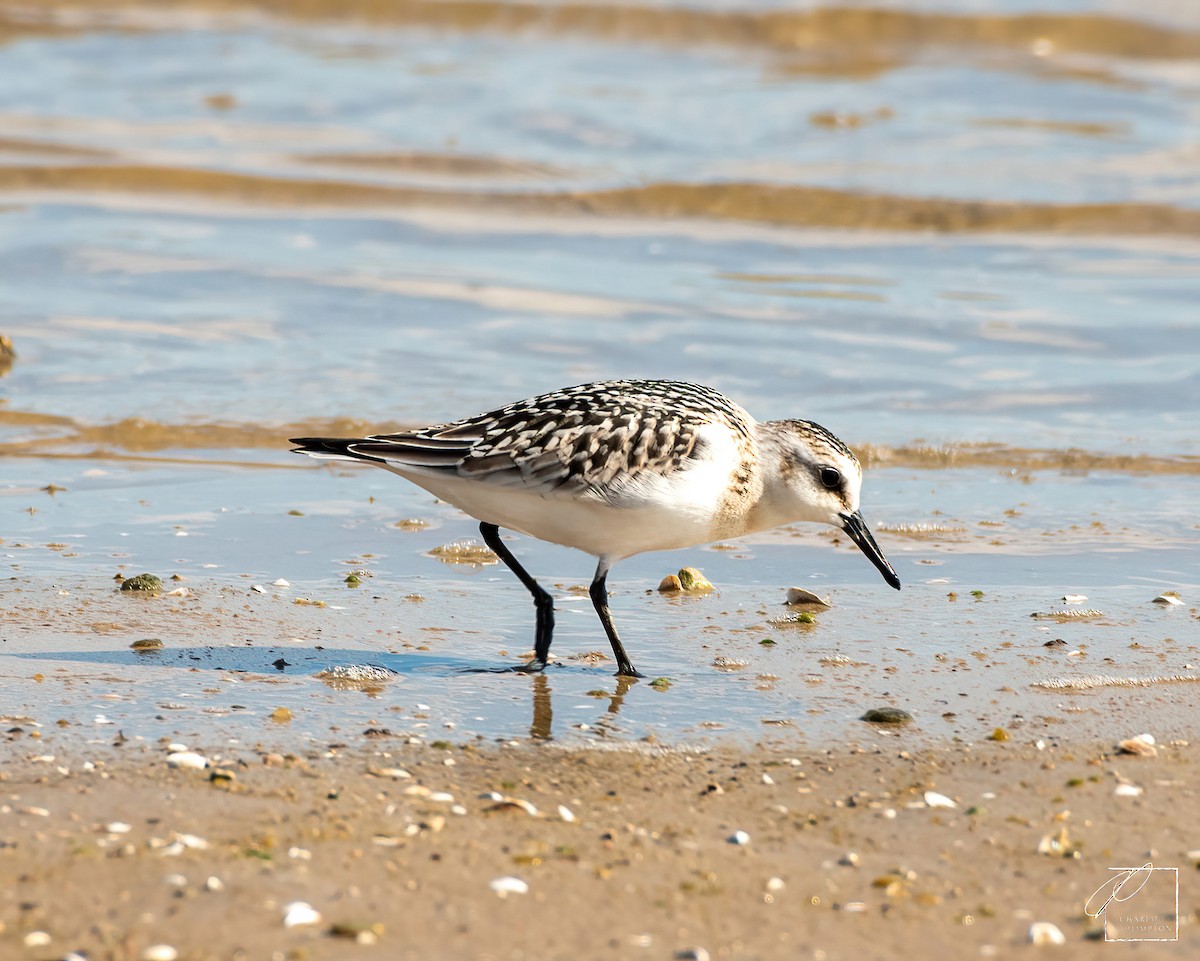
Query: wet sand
[[626, 853]]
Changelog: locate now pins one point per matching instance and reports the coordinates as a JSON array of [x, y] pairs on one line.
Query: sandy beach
[[401, 851]]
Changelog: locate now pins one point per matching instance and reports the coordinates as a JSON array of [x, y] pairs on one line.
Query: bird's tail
[[331, 448]]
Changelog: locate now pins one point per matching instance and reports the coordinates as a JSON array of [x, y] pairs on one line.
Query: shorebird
[[621, 467]]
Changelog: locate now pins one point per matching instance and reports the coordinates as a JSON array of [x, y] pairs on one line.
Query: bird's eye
[[831, 477]]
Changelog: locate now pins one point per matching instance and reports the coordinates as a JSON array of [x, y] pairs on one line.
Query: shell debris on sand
[[300, 913], [1044, 933], [800, 595], [1169, 598], [508, 885], [1141, 746], [935, 800], [188, 760]]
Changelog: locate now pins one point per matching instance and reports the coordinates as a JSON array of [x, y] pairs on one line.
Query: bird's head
[[820, 480]]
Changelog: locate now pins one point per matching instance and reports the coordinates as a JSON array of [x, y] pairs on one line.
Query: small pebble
[[160, 952], [214, 885], [693, 581], [887, 715], [37, 939], [187, 759], [775, 885], [280, 582], [117, 827], [564, 812], [509, 885], [935, 800], [1074, 598], [692, 954], [1127, 790], [299, 913], [739, 837], [1043, 933]]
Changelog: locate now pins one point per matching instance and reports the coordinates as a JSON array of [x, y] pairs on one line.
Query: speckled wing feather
[[593, 439]]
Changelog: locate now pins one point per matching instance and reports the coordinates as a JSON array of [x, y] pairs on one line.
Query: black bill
[[856, 527]]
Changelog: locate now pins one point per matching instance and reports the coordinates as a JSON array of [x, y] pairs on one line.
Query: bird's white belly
[[643, 524]]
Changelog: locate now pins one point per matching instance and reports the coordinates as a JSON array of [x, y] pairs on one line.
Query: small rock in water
[[693, 582], [147, 644], [887, 715], [146, 583], [509, 885], [1043, 932], [1074, 598], [671, 584], [187, 759], [299, 913], [280, 582], [799, 595], [1168, 597]]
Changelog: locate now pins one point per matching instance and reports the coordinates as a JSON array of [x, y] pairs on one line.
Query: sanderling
[[618, 468]]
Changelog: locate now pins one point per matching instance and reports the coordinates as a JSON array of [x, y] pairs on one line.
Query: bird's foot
[[629, 671], [535, 666]]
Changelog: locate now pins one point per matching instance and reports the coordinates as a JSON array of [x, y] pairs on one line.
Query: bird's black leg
[[541, 597], [599, 594]]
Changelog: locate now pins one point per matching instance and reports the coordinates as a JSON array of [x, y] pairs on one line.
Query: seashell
[[1142, 746], [299, 913], [935, 800], [799, 595], [187, 759], [1043, 932], [508, 885]]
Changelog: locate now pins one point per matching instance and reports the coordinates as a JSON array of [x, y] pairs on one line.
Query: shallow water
[[964, 238]]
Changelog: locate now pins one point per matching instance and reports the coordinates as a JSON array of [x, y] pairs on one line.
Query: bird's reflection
[[541, 728]]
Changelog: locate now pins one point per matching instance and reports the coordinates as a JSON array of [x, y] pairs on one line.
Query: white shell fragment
[[1168, 597], [1127, 790], [299, 913], [1142, 746], [565, 813], [187, 759], [280, 582], [1043, 933], [799, 595], [935, 800], [37, 939], [1074, 598], [160, 952], [509, 885], [775, 885], [739, 837]]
